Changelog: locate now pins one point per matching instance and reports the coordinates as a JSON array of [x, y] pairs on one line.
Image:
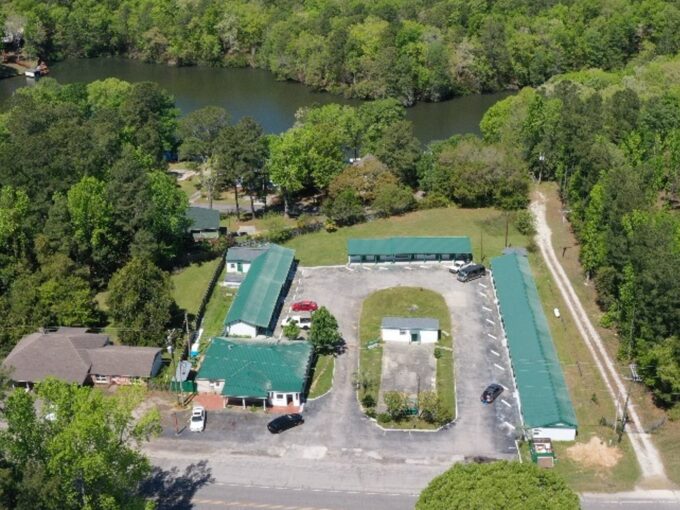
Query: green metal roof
[[201, 218], [543, 392], [251, 368], [409, 245], [259, 293]]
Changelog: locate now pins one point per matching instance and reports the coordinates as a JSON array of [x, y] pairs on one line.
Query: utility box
[[542, 453]]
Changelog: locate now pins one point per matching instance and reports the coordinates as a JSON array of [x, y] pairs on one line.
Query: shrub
[[674, 413], [393, 199], [437, 352], [368, 400], [434, 201], [370, 412], [345, 209], [330, 226], [383, 418], [291, 331], [525, 223], [396, 403], [277, 230]]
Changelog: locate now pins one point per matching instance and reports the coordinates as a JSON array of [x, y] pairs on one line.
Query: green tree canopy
[[324, 334], [498, 485], [140, 302], [72, 447]]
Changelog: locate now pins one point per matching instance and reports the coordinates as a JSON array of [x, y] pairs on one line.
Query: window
[[101, 379], [403, 332], [215, 385], [279, 396]]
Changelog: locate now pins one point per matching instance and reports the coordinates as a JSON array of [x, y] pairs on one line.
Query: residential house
[[76, 356], [409, 329], [203, 223]]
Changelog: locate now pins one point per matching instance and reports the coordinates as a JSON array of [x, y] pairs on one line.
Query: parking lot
[[336, 428]]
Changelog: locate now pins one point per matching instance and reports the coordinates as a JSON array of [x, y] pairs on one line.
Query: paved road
[[643, 500]]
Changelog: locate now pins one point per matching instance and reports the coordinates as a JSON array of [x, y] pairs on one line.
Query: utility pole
[[624, 412], [481, 246]]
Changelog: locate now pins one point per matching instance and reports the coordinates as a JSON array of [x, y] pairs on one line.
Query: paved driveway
[[336, 429]]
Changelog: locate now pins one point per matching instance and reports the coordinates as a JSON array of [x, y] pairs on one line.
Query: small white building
[[409, 330]]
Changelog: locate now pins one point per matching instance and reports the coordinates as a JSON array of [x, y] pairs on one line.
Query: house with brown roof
[[77, 356]]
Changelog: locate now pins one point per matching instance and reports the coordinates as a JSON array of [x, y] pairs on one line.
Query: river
[[256, 93]]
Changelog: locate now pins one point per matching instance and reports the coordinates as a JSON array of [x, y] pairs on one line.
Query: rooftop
[[422, 323], [252, 368], [543, 392], [406, 245], [202, 218], [245, 253], [258, 295]]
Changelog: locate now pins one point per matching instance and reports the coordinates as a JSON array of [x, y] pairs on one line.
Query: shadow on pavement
[[173, 490]]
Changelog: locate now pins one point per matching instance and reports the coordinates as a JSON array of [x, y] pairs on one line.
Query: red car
[[304, 306]]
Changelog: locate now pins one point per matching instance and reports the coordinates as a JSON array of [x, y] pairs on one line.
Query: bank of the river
[[255, 93]]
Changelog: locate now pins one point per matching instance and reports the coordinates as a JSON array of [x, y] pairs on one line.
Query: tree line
[[612, 142], [411, 50]]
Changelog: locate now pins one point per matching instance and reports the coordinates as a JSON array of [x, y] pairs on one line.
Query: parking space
[[335, 424]]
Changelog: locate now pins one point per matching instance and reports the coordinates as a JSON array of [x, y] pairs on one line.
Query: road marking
[[349, 269], [505, 387], [408, 268], [489, 334], [509, 425], [494, 352], [499, 367], [366, 268], [487, 309], [382, 268], [423, 267], [482, 285], [482, 294], [503, 400], [490, 322]]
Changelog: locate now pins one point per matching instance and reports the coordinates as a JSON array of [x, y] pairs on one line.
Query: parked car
[[304, 306], [197, 421], [491, 393], [458, 265], [285, 422], [303, 320], [471, 272]]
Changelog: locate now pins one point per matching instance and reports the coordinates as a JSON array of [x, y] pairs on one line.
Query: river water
[[256, 93]]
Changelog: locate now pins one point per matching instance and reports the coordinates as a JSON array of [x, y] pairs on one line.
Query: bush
[[277, 230], [383, 418], [434, 201], [371, 412], [291, 331], [368, 401], [330, 226], [437, 352], [674, 413], [525, 223], [397, 404], [393, 199], [345, 209]]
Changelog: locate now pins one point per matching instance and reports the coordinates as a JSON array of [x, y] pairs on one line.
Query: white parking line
[[381, 268], [482, 285], [489, 334], [494, 352], [509, 425], [486, 309], [423, 267], [482, 294], [349, 269], [366, 268], [505, 387], [503, 400], [490, 322], [499, 367], [408, 268]]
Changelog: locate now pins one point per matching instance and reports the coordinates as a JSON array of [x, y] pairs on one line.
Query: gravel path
[[652, 468]]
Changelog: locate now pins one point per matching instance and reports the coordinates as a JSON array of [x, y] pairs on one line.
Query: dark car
[[471, 272], [491, 393], [285, 422]]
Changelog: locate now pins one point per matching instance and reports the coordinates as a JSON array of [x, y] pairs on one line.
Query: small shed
[[203, 223], [409, 329], [240, 258]]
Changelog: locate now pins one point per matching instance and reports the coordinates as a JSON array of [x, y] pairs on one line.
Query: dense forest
[[407, 49], [612, 141]]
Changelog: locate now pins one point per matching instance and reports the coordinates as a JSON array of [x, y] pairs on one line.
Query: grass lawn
[[216, 311], [589, 396], [191, 282], [322, 379], [399, 301], [483, 226]]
